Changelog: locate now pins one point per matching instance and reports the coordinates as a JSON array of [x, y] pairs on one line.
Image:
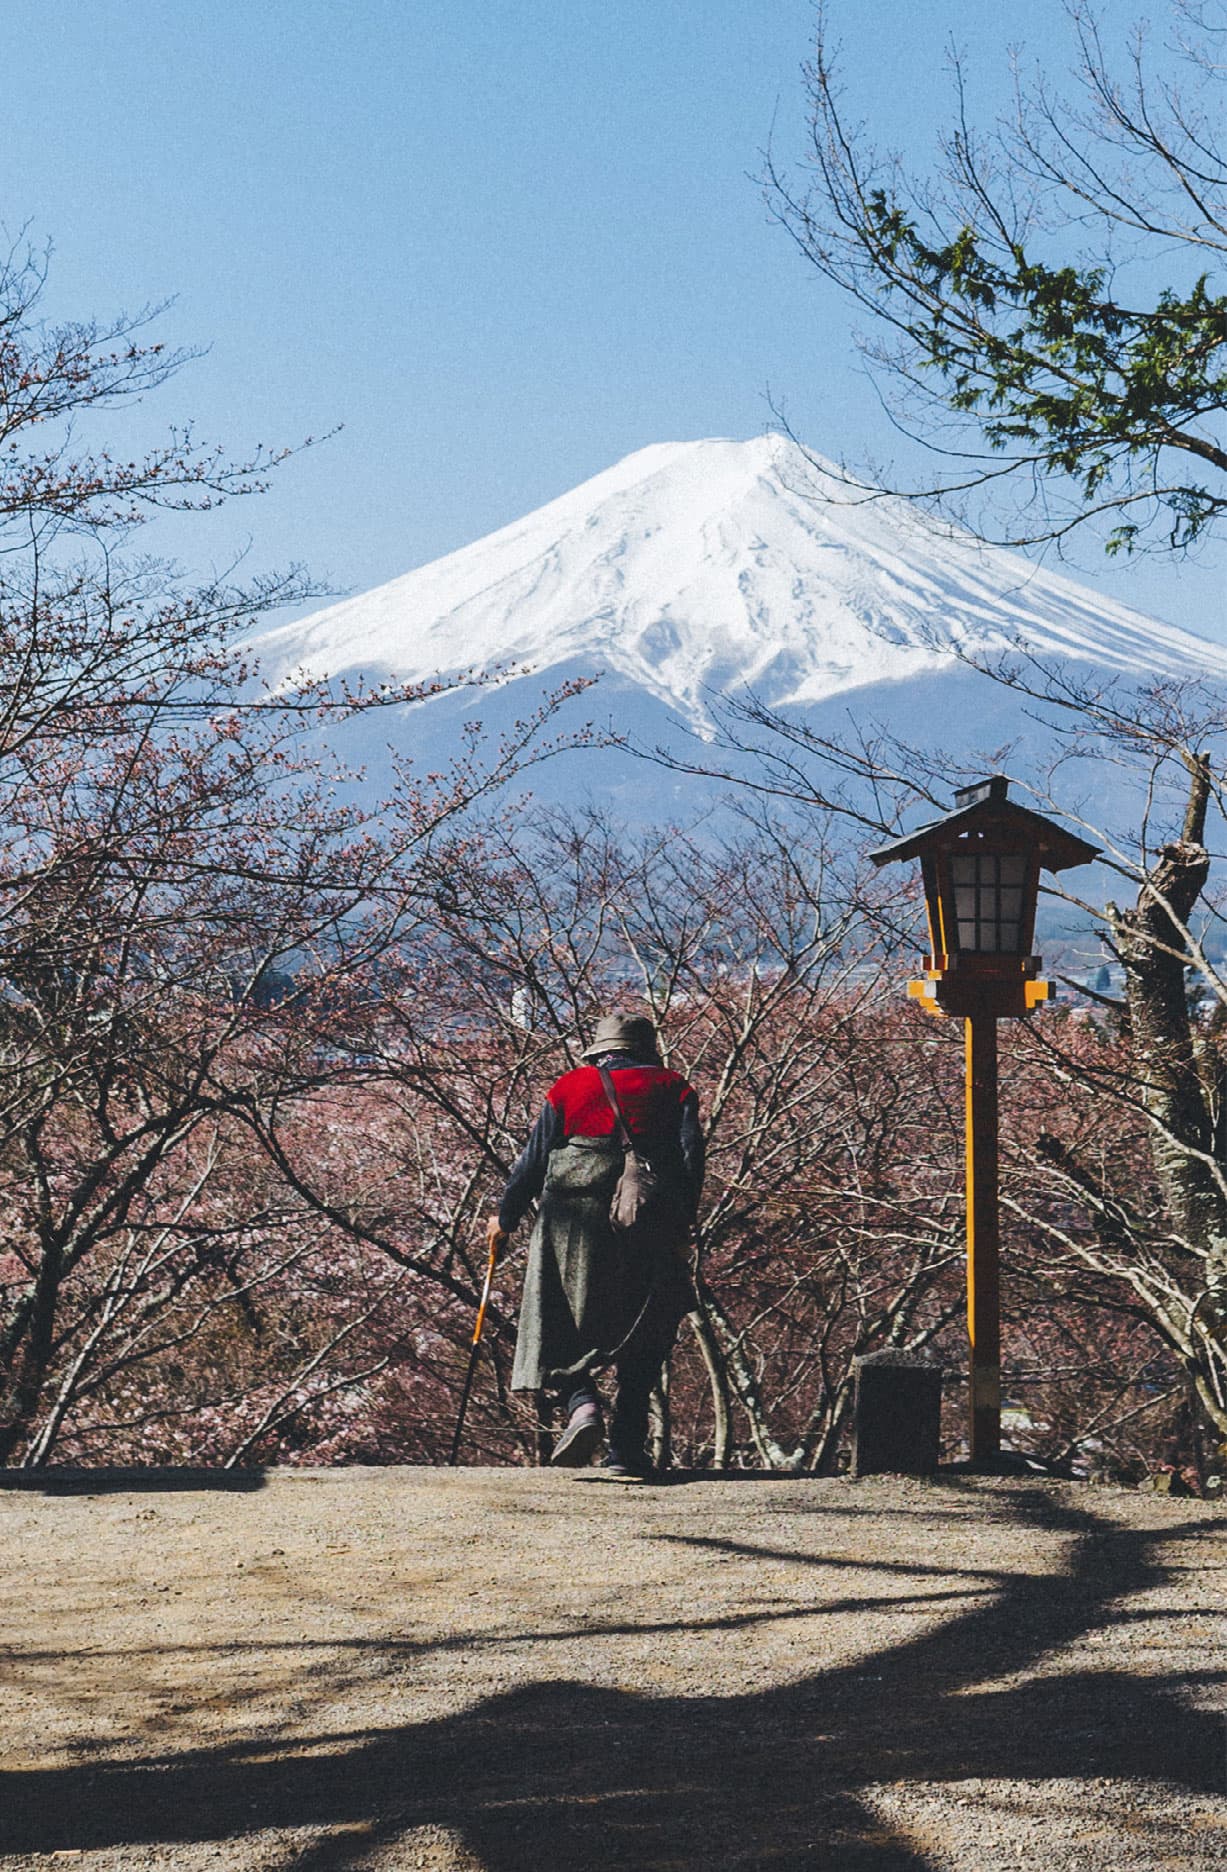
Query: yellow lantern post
[[981, 866]]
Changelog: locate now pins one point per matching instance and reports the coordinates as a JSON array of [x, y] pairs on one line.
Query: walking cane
[[496, 1239]]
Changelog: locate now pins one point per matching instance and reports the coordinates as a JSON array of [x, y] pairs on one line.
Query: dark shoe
[[616, 1469], [580, 1441]]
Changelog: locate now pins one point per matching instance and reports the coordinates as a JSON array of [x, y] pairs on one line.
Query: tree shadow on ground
[[565, 1774], [71, 1481]]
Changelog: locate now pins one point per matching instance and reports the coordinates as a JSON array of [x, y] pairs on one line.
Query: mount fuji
[[694, 570]]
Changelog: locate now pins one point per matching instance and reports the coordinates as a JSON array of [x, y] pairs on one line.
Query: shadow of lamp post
[[981, 868]]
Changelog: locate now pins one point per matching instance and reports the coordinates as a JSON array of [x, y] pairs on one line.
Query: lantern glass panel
[[988, 899]]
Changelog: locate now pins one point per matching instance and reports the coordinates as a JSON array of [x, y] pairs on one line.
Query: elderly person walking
[[594, 1296]]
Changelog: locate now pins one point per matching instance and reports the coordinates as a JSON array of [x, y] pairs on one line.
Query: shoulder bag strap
[[624, 1136]]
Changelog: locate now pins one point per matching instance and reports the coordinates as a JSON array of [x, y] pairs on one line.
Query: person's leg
[[585, 1426], [638, 1370]]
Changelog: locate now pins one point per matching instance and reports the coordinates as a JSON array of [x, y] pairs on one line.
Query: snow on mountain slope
[[695, 566]]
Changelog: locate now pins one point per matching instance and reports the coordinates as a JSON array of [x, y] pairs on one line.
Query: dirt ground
[[511, 1670]]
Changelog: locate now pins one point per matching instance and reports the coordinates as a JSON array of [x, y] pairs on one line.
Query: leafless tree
[[182, 896]]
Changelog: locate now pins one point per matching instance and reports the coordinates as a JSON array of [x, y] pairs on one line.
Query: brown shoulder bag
[[639, 1207]]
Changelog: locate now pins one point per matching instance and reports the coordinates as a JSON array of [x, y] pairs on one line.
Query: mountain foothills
[[697, 570]]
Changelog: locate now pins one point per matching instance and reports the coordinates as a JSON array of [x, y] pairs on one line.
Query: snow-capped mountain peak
[[697, 566]]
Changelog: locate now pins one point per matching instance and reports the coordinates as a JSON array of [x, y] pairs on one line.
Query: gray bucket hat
[[623, 1033]]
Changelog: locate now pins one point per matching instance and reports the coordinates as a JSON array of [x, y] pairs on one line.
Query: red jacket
[[659, 1107], [651, 1098]]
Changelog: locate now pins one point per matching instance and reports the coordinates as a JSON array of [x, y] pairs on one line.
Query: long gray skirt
[[585, 1288]]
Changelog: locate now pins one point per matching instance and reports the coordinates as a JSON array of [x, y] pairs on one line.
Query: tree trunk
[[717, 1375], [1152, 947]]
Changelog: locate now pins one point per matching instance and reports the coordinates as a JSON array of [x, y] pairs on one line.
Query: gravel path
[[517, 1669]]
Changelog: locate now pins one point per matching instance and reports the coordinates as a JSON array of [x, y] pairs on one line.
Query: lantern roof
[[983, 804]]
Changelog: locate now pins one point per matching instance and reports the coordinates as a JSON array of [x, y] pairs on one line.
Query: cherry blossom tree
[[186, 903]]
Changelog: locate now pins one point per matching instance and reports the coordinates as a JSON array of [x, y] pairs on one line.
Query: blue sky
[[502, 242]]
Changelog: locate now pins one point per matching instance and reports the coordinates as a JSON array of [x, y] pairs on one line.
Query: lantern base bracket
[[975, 984]]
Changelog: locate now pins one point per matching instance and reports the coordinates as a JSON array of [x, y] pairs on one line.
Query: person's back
[[652, 1100]]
